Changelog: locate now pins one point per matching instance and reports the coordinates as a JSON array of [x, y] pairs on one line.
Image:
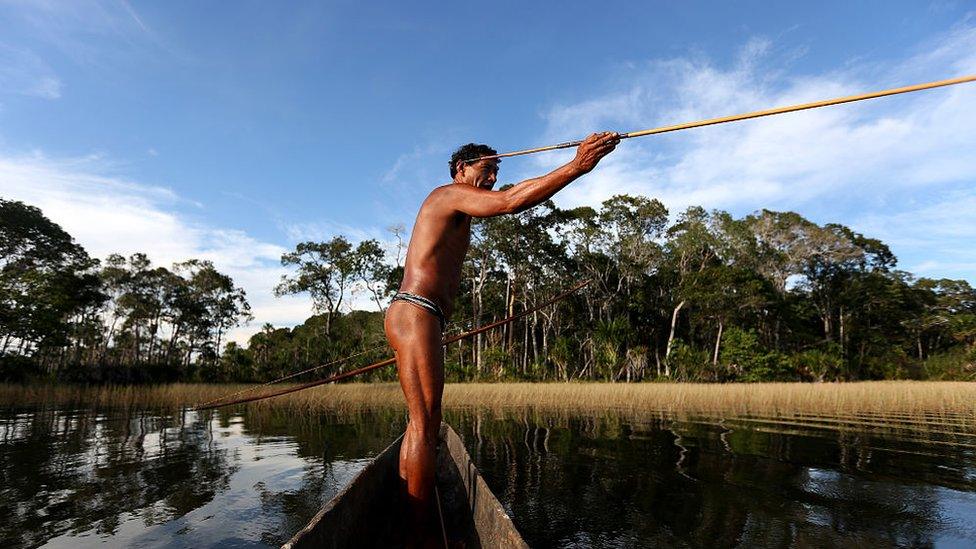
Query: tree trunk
[[843, 344], [476, 355], [535, 339], [135, 348], [545, 339], [478, 340], [153, 328], [108, 338], [718, 344], [667, 350], [189, 353], [509, 311], [172, 342], [460, 356], [657, 359], [217, 350], [776, 334]]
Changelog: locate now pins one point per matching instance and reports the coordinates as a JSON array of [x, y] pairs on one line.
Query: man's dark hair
[[469, 152]]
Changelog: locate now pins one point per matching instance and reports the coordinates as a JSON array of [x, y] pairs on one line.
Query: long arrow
[[748, 115]]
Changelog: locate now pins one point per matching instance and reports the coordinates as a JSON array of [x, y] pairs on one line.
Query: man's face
[[482, 173]]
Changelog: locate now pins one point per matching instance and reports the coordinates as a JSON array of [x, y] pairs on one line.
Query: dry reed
[[883, 400]]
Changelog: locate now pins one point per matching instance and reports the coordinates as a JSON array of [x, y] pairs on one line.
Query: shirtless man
[[416, 318]]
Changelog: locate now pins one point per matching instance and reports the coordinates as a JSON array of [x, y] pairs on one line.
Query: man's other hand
[[594, 148]]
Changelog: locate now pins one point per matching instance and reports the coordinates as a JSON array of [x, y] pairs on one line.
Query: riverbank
[[921, 399]]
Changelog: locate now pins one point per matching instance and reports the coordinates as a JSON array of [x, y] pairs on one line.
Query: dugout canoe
[[369, 512]]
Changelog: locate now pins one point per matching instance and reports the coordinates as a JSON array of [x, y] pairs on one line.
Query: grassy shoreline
[[922, 398]]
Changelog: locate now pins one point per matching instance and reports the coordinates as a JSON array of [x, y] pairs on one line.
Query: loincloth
[[423, 303]]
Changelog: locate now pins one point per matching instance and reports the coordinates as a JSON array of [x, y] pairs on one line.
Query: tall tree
[[372, 270], [45, 279], [324, 270], [222, 305]]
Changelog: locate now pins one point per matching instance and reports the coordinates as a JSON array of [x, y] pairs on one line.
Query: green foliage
[[687, 362], [777, 296], [610, 345], [824, 364], [957, 364], [18, 368], [892, 363], [65, 316], [496, 360], [746, 360], [562, 355], [236, 364], [46, 279]]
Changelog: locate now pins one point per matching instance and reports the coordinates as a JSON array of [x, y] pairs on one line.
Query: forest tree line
[[699, 296], [69, 317]]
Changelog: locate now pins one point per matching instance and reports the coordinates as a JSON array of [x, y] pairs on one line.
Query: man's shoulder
[[446, 200], [446, 187], [445, 191], [438, 198]]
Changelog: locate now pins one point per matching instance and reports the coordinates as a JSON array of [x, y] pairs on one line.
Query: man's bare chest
[[458, 238]]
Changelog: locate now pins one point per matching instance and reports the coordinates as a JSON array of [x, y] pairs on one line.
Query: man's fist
[[595, 147]]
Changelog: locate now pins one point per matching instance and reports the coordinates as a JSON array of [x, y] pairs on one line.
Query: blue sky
[[232, 131]]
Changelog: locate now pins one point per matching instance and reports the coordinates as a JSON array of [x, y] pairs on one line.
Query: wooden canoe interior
[[369, 512]]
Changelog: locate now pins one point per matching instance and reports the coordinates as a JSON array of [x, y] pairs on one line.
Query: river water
[[142, 478]]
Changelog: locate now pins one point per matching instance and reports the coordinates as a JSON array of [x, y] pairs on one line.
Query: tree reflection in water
[[76, 470], [81, 477], [616, 482], [255, 476]]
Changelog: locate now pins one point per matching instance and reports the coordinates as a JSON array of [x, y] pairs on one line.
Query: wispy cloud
[[414, 173], [135, 16], [88, 32], [108, 214], [944, 228], [873, 160], [408, 162], [22, 72], [326, 230]]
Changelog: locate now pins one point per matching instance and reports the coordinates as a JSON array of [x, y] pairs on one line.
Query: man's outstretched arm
[[478, 202]]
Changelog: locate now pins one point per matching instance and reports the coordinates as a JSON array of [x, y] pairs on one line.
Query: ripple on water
[[138, 478]]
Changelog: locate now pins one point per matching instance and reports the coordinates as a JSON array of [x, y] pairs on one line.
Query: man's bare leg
[[416, 339]]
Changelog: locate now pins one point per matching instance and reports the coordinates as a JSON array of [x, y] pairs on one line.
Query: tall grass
[[876, 397], [881, 398]]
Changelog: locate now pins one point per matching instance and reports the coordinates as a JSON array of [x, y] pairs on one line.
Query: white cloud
[[108, 214], [22, 72], [945, 228], [877, 158], [326, 230]]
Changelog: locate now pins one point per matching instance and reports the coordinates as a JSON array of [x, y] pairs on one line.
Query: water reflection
[[81, 477], [628, 483], [253, 477]]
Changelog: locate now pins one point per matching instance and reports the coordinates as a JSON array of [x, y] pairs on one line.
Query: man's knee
[[426, 425]]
